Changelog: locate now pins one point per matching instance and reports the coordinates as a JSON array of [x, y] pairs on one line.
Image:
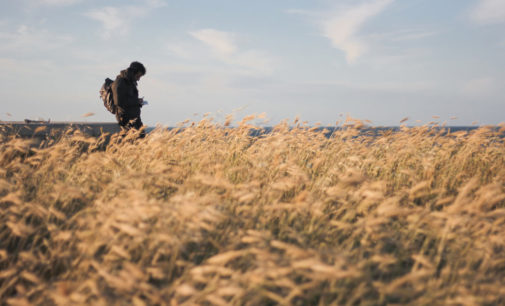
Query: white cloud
[[56, 2], [155, 3], [148, 3], [117, 20], [220, 42], [27, 39], [254, 62], [113, 20], [489, 12], [343, 25], [404, 35], [181, 50], [225, 49]]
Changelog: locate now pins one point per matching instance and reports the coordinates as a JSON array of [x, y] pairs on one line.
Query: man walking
[[126, 97]]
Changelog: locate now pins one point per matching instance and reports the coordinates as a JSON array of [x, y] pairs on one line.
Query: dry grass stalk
[[211, 215]]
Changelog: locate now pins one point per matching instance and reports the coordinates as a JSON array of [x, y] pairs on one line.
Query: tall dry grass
[[209, 215]]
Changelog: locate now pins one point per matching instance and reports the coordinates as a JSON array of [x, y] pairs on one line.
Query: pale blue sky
[[377, 60]]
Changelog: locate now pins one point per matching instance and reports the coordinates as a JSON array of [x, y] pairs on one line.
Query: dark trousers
[[126, 123]]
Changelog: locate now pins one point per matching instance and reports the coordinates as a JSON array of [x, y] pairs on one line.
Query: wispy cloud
[[25, 39], [222, 43], [342, 27], [254, 62], [225, 48], [155, 3], [405, 35], [56, 2], [179, 49], [117, 20], [489, 12], [113, 19]]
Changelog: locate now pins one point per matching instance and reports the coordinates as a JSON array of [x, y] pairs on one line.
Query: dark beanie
[[136, 67]]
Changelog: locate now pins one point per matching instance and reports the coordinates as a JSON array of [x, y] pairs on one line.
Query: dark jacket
[[126, 95]]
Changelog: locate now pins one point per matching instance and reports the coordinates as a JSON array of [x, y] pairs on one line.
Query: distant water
[[372, 131]]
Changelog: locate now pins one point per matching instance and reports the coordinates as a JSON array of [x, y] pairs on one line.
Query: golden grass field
[[209, 215]]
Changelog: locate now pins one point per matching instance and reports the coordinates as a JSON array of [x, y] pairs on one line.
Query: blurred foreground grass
[[208, 215]]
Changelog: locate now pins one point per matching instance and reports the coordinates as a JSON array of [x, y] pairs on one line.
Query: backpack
[[107, 97]]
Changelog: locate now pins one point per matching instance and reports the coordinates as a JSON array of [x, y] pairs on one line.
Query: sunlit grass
[[210, 215]]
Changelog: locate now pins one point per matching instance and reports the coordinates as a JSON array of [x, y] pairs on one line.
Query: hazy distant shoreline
[[42, 129]]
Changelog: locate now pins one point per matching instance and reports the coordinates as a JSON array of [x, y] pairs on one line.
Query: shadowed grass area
[[207, 215]]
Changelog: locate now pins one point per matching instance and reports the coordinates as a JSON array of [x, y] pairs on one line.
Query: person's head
[[137, 70]]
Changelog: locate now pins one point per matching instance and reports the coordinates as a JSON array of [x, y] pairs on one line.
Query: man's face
[[138, 76]]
